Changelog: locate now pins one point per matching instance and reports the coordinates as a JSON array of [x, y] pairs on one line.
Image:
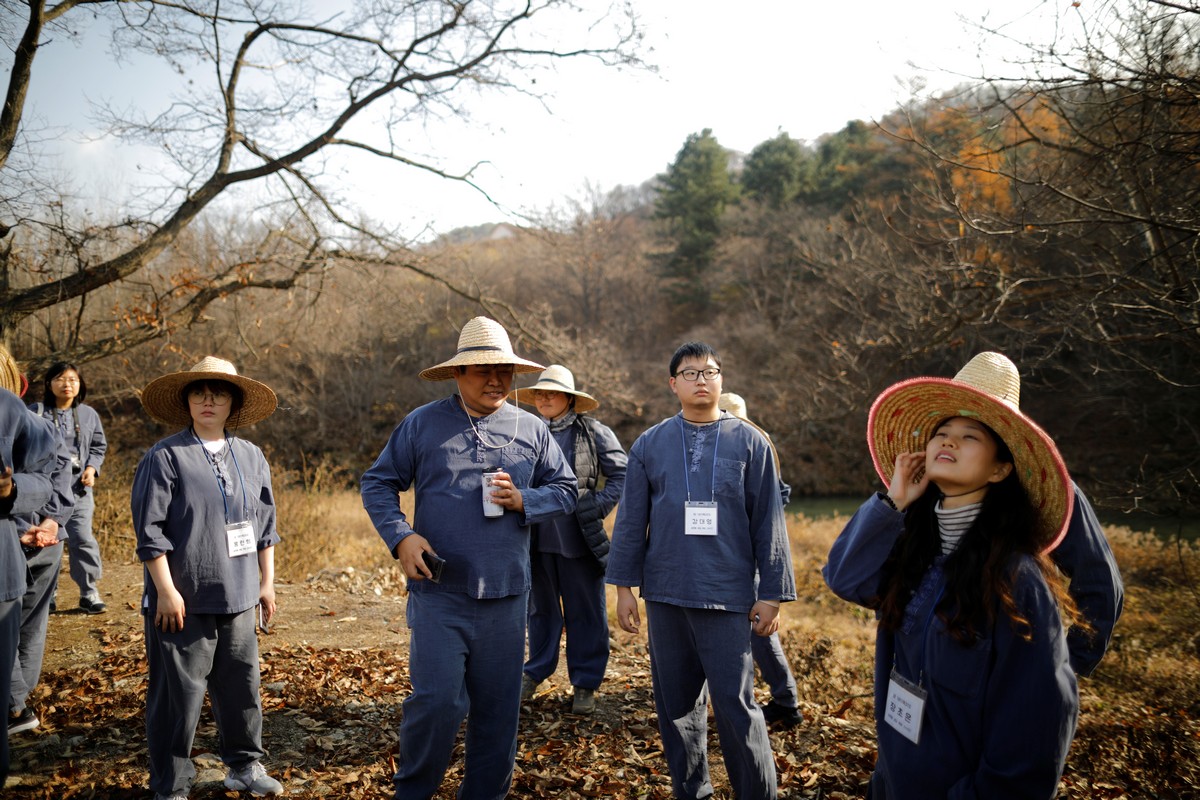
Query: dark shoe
[[782, 715], [584, 701], [26, 720], [528, 688], [92, 606]]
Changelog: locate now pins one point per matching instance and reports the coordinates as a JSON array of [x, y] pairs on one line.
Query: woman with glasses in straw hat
[[28, 451], [569, 552], [78, 424], [204, 515], [465, 552], [974, 692]]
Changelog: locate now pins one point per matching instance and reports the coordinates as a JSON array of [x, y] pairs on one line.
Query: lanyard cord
[[220, 483], [479, 437], [687, 482]]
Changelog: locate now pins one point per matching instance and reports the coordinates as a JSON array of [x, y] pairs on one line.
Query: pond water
[[1165, 528]]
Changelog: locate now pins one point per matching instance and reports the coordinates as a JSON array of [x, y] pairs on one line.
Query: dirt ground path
[[340, 609]]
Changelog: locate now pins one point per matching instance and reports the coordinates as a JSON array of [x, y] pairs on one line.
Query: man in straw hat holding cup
[[482, 472], [204, 515], [974, 691]]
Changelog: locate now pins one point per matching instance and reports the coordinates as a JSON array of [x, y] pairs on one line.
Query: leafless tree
[[1074, 198], [267, 94]]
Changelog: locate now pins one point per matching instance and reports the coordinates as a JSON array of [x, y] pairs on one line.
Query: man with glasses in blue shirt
[[699, 517]]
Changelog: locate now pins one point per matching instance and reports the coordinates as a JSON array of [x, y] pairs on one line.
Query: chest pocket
[[962, 669], [729, 479], [518, 463]]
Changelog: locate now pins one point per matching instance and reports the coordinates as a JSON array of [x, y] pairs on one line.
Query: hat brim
[[584, 402], [163, 398], [903, 418], [448, 369]]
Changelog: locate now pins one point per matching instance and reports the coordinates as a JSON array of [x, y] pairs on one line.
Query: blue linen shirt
[[180, 510], [27, 445], [92, 446], [650, 548], [1096, 586], [1000, 714], [435, 451]]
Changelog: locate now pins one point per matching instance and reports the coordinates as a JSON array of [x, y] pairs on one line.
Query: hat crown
[[556, 376], [994, 374], [217, 366], [481, 333]]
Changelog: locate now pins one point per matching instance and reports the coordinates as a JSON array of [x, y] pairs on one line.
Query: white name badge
[[700, 518], [239, 536], [905, 707]]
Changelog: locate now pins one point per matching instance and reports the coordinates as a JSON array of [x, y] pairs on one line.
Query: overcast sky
[[745, 70]]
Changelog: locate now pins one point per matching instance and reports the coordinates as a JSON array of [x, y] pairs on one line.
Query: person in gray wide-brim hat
[[570, 553], [557, 378]]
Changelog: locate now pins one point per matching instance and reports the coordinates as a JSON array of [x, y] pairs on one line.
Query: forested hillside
[[1054, 218]]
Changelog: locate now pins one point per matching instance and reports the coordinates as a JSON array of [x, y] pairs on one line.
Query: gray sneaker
[[528, 688], [172, 796], [252, 778]]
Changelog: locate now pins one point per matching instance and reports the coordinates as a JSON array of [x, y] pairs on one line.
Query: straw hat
[[988, 388], [734, 404], [163, 397], [481, 341], [557, 378]]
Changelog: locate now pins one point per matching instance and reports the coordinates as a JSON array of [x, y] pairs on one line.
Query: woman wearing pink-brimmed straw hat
[[974, 692]]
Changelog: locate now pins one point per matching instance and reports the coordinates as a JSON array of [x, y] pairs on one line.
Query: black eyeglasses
[[691, 375]]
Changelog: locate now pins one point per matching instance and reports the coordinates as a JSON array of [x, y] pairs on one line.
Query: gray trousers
[[35, 615], [697, 654], [215, 654], [86, 569]]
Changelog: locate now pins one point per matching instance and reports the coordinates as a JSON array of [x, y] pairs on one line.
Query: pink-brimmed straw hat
[[988, 388], [481, 341]]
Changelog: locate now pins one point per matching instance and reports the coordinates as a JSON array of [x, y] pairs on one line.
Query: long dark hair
[[979, 573], [56, 369]]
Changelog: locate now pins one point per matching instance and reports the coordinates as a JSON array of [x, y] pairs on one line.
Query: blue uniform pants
[[35, 615], [696, 654], [774, 668], [214, 653], [465, 658], [10, 631], [568, 592]]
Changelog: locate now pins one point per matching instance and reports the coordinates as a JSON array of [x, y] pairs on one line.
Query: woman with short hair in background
[[78, 425]]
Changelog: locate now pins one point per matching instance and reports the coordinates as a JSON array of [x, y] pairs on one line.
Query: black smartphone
[[262, 619], [435, 565]]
